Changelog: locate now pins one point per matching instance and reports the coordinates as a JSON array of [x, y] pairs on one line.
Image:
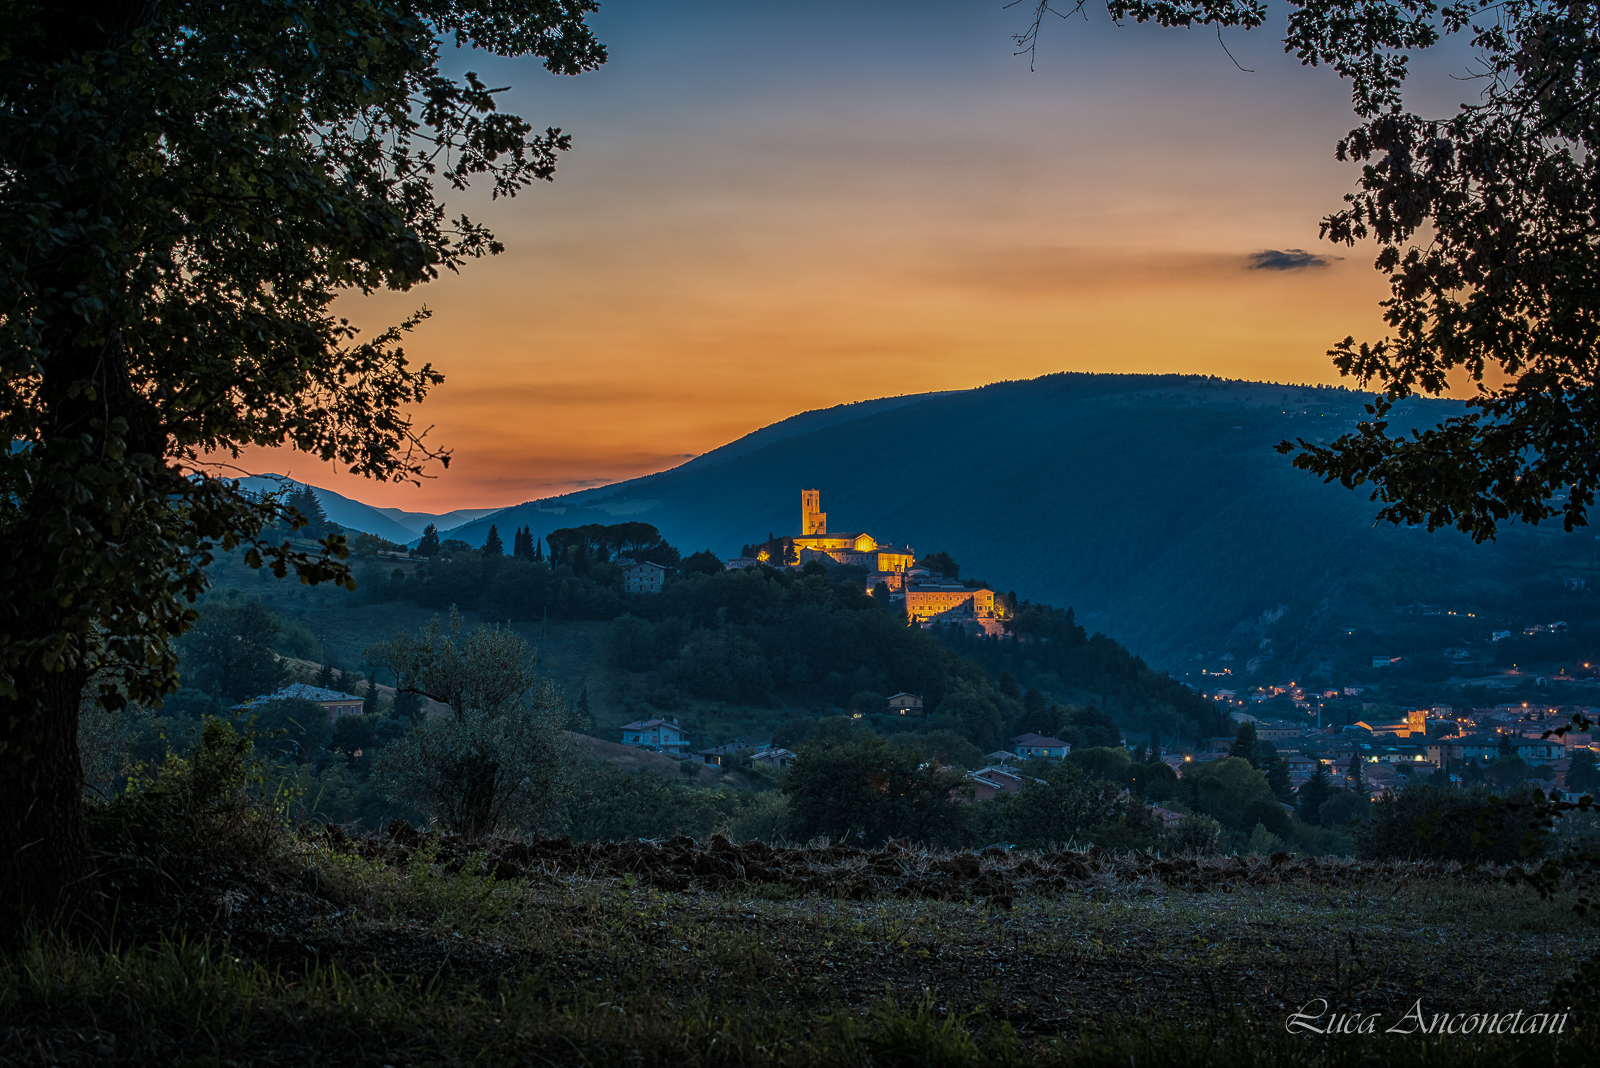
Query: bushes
[[188, 813], [500, 759], [868, 792], [609, 804], [1425, 822], [1071, 807]]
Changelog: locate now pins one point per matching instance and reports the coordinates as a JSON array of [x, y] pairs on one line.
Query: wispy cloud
[[1288, 259]]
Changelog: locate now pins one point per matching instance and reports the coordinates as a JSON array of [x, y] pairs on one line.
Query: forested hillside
[[1156, 506]]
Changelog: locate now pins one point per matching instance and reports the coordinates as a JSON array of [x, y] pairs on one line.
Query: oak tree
[[185, 189]]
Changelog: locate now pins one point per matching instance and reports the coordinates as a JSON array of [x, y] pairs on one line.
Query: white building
[[662, 734]]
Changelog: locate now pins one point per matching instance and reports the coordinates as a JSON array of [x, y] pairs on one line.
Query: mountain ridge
[[1156, 505]]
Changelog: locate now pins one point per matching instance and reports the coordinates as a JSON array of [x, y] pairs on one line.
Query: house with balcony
[[663, 735]]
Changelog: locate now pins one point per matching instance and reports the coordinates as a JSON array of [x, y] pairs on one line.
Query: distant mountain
[[417, 522], [1155, 505], [391, 523]]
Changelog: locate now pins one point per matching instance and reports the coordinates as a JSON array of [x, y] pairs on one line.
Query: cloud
[[1289, 259]]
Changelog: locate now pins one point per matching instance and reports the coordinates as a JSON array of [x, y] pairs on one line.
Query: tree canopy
[[185, 189]]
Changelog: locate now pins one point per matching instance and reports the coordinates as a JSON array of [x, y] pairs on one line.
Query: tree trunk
[[47, 877]]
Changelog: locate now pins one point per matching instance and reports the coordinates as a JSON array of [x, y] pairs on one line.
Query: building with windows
[[662, 734], [905, 704], [641, 576], [1028, 746], [852, 549]]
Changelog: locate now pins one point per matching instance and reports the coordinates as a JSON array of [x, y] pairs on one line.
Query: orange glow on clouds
[[716, 257]]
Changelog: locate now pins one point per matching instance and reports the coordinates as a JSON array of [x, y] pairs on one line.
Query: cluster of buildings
[[926, 598], [1425, 741]]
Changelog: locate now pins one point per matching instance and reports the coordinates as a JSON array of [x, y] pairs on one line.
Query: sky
[[772, 208]]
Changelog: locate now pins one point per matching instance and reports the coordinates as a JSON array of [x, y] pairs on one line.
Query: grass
[[337, 957]]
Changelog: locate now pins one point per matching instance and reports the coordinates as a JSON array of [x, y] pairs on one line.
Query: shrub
[[189, 813], [1470, 826]]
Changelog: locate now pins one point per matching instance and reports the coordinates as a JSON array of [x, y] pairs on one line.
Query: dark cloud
[[1289, 259]]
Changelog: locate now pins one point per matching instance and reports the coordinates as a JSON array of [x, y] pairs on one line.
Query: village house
[[641, 576], [336, 704], [992, 780], [1169, 819], [661, 734], [1028, 746], [723, 756], [905, 704], [767, 756]]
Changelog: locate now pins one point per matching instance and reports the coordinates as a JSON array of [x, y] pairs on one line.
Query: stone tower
[[812, 519]]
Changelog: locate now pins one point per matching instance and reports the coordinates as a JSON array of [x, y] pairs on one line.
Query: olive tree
[[500, 760], [186, 187]]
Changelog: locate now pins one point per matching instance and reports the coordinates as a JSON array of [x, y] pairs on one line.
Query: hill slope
[[1156, 505], [392, 523]]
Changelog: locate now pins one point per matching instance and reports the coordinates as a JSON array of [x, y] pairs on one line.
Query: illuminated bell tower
[[812, 519]]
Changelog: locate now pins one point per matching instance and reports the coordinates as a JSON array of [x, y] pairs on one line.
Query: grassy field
[[340, 952]]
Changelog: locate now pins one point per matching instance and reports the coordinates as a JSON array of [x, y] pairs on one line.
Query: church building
[[860, 550]]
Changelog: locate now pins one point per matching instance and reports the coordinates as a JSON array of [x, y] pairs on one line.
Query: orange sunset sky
[[772, 208]]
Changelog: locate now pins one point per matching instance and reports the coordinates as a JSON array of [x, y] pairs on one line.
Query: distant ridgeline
[[1154, 504]]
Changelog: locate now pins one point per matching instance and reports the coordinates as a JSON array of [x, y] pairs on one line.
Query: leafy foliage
[[185, 190], [499, 760], [1072, 806], [229, 652], [868, 792]]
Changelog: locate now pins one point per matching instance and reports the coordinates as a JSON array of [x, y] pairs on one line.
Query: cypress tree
[[1313, 793], [492, 545], [1244, 743]]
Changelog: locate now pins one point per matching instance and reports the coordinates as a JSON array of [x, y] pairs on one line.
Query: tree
[[704, 562], [185, 189], [492, 546], [429, 545], [228, 652], [1278, 780], [295, 729], [1244, 743], [1483, 223], [1582, 775], [867, 792], [1312, 793], [1424, 821], [1071, 805], [1111, 763], [1224, 789], [305, 502], [499, 760], [974, 714]]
